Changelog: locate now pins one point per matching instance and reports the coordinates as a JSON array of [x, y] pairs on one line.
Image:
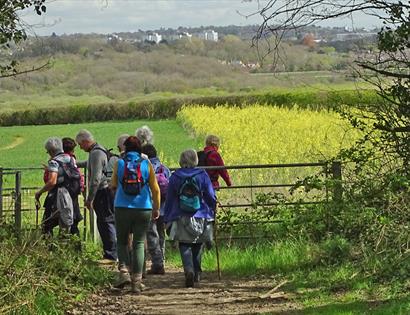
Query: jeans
[[104, 210], [191, 254], [156, 242], [135, 221]]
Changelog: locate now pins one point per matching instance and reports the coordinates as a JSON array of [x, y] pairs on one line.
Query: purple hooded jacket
[[208, 201]]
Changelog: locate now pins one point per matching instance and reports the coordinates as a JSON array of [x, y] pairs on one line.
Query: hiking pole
[[216, 243], [38, 206]]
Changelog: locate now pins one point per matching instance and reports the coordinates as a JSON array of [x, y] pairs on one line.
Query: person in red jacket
[[213, 158]]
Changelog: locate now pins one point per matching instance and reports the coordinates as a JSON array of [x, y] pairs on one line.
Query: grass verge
[[318, 286], [41, 276]]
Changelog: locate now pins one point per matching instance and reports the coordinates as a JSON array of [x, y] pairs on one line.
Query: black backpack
[[69, 177], [203, 157], [132, 180]]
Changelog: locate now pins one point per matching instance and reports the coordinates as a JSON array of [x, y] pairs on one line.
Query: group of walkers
[[136, 200]]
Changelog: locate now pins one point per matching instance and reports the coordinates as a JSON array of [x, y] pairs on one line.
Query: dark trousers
[[51, 218], [191, 256], [77, 217], [156, 242], [104, 210]]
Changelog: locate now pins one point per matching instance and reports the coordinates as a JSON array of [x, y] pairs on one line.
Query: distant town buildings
[[152, 37], [209, 35], [156, 37], [180, 35], [353, 36]]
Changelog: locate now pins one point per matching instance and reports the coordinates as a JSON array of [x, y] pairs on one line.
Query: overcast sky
[[107, 16]]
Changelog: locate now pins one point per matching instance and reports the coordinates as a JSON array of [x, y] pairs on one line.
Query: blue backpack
[[189, 196]]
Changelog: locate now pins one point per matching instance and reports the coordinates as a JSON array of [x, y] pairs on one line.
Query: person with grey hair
[[189, 210], [99, 196], [114, 157], [60, 187], [145, 135]]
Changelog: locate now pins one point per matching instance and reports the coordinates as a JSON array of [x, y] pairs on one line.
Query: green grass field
[[24, 146]]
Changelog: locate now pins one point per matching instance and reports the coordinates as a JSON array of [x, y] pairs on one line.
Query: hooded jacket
[[213, 158], [172, 210]]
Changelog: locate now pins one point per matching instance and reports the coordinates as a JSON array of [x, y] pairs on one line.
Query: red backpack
[[132, 181]]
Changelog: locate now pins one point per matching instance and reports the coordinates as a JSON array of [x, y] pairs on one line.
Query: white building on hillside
[[209, 35], [153, 37], [180, 35]]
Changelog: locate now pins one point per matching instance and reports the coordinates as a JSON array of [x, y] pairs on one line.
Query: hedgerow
[[167, 108]]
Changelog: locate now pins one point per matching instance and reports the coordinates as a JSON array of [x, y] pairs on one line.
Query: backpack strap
[[61, 175], [106, 152], [103, 150], [139, 174], [207, 153]]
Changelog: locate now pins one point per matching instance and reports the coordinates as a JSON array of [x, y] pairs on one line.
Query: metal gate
[[17, 191]]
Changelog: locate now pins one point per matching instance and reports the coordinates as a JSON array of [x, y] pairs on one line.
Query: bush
[[41, 276]]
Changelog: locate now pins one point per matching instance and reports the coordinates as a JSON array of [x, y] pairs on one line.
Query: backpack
[[132, 181], [69, 177], [162, 179], [108, 152], [203, 157], [109, 155], [189, 196]]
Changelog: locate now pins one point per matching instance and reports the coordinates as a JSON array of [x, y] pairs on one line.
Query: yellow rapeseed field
[[264, 134]]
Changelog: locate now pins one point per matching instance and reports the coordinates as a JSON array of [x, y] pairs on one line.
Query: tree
[[387, 68], [13, 31], [309, 40]]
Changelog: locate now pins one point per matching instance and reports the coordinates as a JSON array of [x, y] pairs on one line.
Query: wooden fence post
[[337, 177], [92, 218], [17, 203], [1, 193]]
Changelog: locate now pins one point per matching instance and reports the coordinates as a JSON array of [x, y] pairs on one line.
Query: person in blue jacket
[[135, 205], [189, 210]]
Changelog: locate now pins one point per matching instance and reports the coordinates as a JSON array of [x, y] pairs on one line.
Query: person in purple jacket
[[189, 210]]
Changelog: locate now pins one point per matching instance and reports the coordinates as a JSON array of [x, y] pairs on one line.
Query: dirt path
[[16, 142], [166, 294]]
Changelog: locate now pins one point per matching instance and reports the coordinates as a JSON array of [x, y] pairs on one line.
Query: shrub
[[41, 276]]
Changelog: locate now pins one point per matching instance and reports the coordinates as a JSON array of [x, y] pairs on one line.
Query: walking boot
[[122, 280], [189, 279], [155, 270], [197, 276], [136, 285]]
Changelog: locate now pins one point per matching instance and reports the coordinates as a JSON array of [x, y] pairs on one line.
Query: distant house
[[152, 37], [353, 36], [180, 35], [114, 38], [210, 35]]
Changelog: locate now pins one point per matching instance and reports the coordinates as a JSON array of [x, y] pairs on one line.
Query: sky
[[109, 16]]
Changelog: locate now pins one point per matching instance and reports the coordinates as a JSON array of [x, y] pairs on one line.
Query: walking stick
[[38, 207], [216, 244]]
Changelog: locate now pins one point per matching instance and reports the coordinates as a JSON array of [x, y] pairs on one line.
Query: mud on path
[[166, 294]]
